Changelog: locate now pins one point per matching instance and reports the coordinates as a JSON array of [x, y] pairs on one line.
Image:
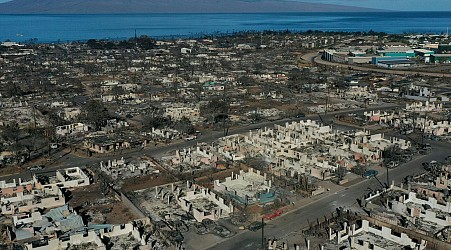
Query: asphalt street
[[64, 160], [296, 219], [314, 57], [280, 227]]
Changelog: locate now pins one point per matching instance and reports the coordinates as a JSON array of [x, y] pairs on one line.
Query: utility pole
[[263, 233], [388, 179]]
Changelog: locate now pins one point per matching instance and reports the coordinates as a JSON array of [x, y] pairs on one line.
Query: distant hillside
[[166, 6]]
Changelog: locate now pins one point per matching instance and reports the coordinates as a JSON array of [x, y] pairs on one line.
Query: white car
[[34, 168]]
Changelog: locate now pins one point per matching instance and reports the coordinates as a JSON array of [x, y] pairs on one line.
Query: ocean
[[54, 28]]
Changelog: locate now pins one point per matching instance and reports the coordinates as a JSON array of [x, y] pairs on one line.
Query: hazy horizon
[[390, 5]]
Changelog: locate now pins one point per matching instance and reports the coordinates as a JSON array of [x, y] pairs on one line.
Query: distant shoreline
[[82, 27], [212, 35]]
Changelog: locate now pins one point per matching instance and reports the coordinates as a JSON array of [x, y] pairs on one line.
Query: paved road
[[64, 160], [298, 219], [314, 57]]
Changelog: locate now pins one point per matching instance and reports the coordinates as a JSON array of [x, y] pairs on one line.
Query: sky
[[401, 5]]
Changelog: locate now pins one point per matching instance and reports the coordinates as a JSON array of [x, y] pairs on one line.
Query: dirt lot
[[18, 168], [139, 183], [206, 179], [10, 170], [119, 215], [102, 208]]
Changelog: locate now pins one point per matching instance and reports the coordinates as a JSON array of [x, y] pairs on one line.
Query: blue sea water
[[51, 28]]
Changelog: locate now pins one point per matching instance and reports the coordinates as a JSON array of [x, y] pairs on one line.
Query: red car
[[273, 215]]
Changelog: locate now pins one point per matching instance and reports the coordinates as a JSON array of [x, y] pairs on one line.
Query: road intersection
[[299, 216]]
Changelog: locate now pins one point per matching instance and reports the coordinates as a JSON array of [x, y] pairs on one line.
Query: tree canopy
[[96, 114]]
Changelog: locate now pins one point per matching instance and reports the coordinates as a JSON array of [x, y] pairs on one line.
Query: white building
[[71, 129]]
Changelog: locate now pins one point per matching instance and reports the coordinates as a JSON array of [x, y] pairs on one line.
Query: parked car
[[392, 164], [200, 228], [162, 226], [190, 138], [256, 225], [36, 167], [222, 231], [273, 215], [407, 157], [180, 226], [370, 173], [174, 236], [209, 224], [238, 220], [300, 115]]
